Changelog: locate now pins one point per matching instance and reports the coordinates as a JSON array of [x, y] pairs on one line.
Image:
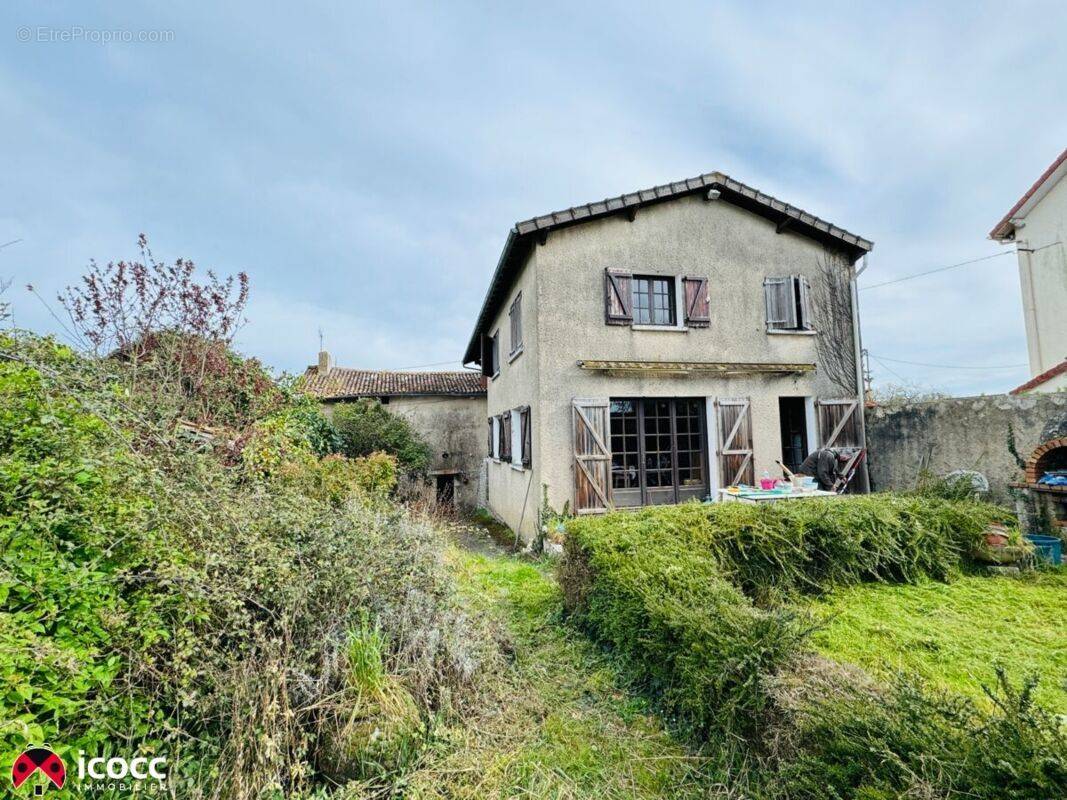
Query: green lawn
[[954, 634], [558, 723]]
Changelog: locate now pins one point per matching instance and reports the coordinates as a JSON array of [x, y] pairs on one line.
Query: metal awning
[[686, 368]]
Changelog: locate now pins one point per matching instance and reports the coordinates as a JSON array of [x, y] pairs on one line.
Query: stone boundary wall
[[993, 434]]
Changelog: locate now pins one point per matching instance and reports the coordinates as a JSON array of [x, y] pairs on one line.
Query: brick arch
[[1032, 463]]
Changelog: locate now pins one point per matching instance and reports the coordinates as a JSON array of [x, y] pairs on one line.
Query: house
[[654, 347], [1037, 226], [447, 408]]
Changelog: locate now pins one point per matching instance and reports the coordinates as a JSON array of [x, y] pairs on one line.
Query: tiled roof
[[1005, 228], [1037, 380], [520, 237], [341, 383]]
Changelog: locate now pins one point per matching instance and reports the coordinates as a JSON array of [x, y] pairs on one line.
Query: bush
[[154, 599], [365, 427], [663, 604]]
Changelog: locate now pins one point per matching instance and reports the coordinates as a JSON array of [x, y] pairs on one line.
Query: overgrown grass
[[558, 722], [697, 601], [953, 634]]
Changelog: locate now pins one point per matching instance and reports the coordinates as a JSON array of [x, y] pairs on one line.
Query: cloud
[[364, 163]]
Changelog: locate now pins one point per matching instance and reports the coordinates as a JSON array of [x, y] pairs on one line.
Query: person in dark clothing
[[823, 465]]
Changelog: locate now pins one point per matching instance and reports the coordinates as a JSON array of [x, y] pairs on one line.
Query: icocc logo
[[117, 768]]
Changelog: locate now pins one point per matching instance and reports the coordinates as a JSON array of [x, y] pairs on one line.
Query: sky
[[364, 162]]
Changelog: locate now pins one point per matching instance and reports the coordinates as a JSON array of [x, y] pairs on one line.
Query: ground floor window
[[658, 450]]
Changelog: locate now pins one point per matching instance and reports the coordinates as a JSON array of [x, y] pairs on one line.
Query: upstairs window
[[653, 300], [515, 314], [788, 302]]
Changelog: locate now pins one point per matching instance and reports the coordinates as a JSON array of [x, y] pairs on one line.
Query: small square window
[[653, 300]]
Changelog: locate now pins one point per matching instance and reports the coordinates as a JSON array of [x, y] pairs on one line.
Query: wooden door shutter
[[618, 297], [735, 441], [781, 305], [697, 311], [804, 294], [839, 424], [527, 438], [592, 455]]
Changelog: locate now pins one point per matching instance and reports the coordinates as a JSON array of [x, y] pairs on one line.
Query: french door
[[658, 450]]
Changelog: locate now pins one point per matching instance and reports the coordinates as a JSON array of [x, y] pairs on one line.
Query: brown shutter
[[592, 456], [618, 297], [489, 442], [781, 303], [697, 312], [524, 425], [487, 356], [735, 441], [516, 324], [505, 436], [839, 422], [804, 293]]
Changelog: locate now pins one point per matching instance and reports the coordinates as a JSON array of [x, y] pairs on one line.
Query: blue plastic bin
[[1047, 548]]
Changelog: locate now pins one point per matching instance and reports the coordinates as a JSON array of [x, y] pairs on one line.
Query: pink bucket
[[766, 483]]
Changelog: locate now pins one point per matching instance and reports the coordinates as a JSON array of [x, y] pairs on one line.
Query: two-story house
[[655, 347], [1037, 226]]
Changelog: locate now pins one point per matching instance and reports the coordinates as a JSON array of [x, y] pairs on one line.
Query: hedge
[[692, 599]]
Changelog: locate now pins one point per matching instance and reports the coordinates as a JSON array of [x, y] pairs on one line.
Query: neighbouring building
[[447, 408], [654, 347], [1037, 226]]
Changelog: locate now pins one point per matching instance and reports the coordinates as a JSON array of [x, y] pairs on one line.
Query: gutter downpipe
[[858, 342]]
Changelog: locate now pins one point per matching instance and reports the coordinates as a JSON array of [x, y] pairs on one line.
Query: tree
[[366, 427], [121, 307]]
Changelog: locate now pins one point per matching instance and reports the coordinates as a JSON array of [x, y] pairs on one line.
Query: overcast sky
[[364, 164]]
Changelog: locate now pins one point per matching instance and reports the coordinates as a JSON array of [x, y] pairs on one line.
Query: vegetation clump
[[698, 601], [365, 426]]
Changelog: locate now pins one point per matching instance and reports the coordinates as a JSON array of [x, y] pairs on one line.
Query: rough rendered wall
[[978, 433], [514, 493], [735, 250], [454, 427]]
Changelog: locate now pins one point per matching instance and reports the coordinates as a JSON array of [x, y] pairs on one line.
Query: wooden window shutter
[[592, 455], [697, 311], [505, 436], [735, 441], [804, 295], [515, 315], [781, 304], [487, 356], [489, 441], [527, 438], [618, 297]]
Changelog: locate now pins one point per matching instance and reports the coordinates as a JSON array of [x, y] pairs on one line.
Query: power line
[[421, 366], [944, 366], [937, 269], [889, 368]]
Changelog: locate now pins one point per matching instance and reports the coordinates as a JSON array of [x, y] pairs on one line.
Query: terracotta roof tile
[[1037, 380], [341, 382]]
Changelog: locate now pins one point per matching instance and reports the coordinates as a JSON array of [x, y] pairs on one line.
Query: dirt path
[[559, 722]]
